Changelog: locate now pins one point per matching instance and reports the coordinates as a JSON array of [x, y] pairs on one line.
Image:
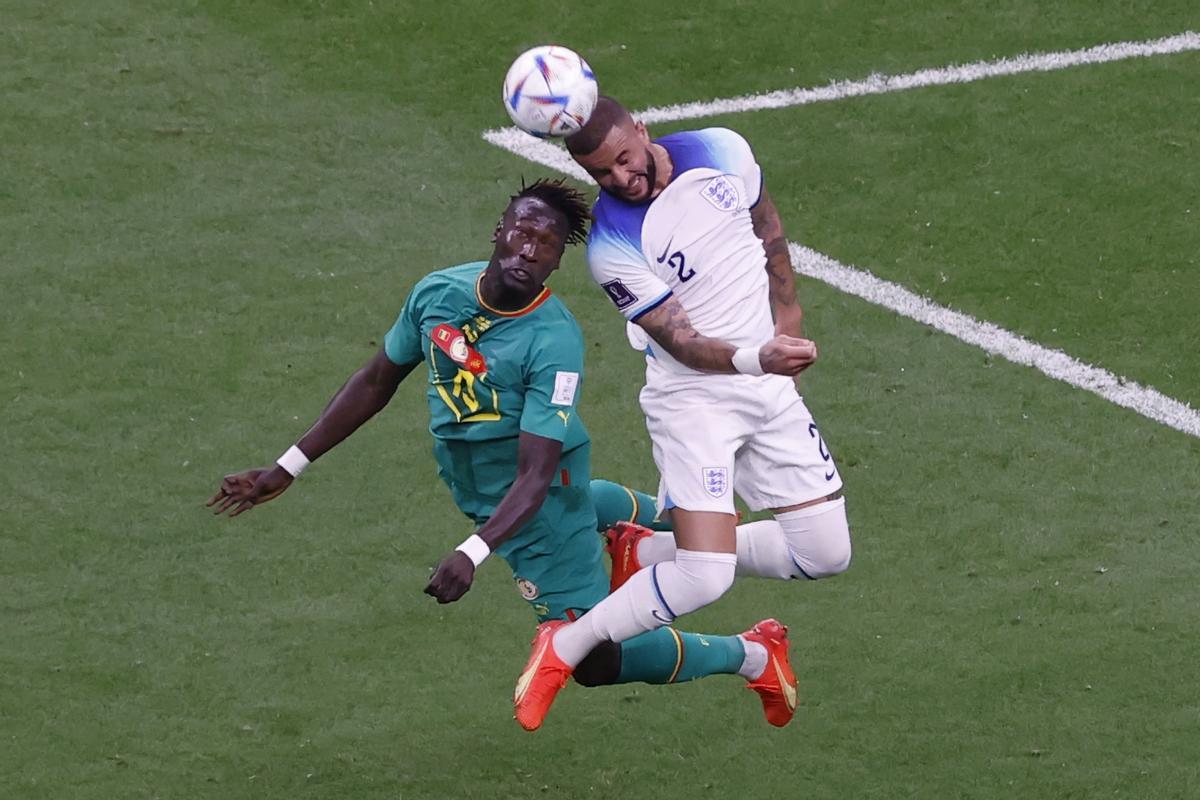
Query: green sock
[[616, 503], [670, 656]]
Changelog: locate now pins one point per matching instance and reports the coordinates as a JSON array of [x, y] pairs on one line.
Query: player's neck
[[664, 168], [494, 295]]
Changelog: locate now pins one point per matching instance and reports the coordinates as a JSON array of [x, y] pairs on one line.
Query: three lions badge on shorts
[[716, 480]]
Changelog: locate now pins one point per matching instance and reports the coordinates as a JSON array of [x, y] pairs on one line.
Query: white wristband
[[745, 361], [293, 461], [475, 548]]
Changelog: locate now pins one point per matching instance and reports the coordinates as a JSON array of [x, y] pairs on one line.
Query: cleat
[[622, 541], [777, 685], [544, 674]]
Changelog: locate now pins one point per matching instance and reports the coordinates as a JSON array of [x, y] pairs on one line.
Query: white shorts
[[715, 435]]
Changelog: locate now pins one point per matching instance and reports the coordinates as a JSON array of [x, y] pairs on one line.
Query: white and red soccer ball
[[550, 91]]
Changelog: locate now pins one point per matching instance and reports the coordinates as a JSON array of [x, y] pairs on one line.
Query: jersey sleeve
[[621, 271], [553, 378], [402, 344], [733, 156]]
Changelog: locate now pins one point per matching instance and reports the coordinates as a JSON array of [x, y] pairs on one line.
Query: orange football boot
[[622, 543], [544, 674], [777, 685]]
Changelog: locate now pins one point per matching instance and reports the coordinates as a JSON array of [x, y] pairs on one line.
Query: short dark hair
[[570, 202], [607, 114]]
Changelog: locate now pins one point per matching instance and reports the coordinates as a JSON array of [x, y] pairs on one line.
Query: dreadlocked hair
[[569, 201]]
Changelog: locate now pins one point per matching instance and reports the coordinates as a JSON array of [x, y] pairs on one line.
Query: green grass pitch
[[210, 212]]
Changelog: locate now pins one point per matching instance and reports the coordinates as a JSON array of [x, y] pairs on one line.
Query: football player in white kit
[[687, 244]]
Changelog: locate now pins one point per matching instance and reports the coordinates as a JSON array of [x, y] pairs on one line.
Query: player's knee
[[832, 559], [600, 667], [818, 538], [707, 576]]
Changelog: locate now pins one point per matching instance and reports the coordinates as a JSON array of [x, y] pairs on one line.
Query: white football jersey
[[695, 241]]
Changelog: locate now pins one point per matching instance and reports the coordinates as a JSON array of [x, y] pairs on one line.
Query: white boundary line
[[542, 152], [995, 340], [1056, 364]]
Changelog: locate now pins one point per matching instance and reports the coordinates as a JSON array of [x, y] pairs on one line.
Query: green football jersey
[[493, 374]]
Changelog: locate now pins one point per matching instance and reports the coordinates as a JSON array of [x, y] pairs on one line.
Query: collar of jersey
[[542, 297]]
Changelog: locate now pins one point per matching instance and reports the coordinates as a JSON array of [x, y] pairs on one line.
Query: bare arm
[[670, 327], [537, 459], [784, 305], [362, 396]]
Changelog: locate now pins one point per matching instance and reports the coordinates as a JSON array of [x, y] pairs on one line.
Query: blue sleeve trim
[[651, 307], [761, 183]]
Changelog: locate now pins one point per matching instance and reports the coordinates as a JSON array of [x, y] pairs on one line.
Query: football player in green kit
[[504, 361]]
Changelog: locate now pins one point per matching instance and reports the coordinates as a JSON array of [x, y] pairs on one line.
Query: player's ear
[[640, 127]]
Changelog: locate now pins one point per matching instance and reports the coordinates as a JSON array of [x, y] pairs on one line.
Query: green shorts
[[556, 559]]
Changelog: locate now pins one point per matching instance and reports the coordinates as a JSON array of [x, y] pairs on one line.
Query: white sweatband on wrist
[[475, 548], [745, 361], [293, 461]]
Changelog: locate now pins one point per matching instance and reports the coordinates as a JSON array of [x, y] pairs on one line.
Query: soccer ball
[[550, 91]]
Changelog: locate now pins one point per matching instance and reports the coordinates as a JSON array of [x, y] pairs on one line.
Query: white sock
[[818, 537], [650, 599], [762, 552], [755, 662]]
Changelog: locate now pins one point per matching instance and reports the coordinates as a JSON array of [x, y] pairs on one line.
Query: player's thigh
[[786, 462], [557, 558], [694, 445]]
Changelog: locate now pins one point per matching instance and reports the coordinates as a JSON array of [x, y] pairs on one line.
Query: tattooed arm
[[669, 326], [786, 308]]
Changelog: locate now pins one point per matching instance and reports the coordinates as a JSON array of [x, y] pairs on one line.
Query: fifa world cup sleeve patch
[[619, 294], [565, 384]]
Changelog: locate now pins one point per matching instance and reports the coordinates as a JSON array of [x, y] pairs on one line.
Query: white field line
[[995, 340], [542, 152]]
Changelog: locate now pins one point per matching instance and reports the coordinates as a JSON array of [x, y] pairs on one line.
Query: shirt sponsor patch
[[721, 192], [565, 384], [619, 294]]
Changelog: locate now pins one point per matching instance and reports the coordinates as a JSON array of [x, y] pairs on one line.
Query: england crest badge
[[716, 480]]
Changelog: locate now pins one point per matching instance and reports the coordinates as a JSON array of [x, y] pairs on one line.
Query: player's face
[[529, 241], [623, 164]]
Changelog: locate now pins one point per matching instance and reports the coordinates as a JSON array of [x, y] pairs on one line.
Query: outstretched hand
[[787, 355], [242, 491], [452, 578]]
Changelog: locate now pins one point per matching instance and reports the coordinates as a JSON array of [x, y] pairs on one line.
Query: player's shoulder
[[446, 284], [555, 315], [459, 275], [555, 322], [715, 138], [722, 149], [615, 222]]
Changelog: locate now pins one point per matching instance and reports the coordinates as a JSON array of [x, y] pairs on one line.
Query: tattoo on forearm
[[670, 327], [779, 271]]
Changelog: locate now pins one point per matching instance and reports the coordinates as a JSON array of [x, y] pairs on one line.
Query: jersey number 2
[[679, 263]]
